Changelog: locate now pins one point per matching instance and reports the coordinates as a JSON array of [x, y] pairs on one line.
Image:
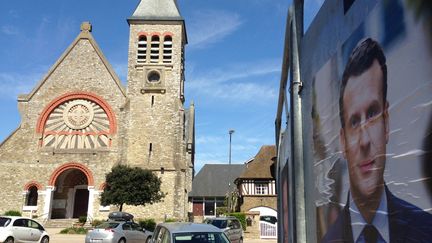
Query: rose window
[[77, 124]]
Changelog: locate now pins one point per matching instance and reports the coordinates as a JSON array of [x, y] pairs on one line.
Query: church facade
[[80, 120]]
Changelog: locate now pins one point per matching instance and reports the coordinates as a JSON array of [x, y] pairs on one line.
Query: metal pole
[[297, 135], [230, 132]]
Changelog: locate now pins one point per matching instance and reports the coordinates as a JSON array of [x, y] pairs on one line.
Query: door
[[80, 203], [20, 230], [35, 231], [128, 232]]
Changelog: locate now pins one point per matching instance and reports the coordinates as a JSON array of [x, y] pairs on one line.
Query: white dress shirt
[[380, 221]]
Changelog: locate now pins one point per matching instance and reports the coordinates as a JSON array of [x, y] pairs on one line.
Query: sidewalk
[[259, 241], [56, 237]]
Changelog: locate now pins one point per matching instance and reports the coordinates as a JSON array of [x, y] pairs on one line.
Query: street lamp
[[229, 172], [230, 134]]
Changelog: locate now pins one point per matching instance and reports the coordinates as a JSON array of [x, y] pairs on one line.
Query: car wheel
[[122, 240], [45, 239], [241, 240], [9, 240], [148, 239]]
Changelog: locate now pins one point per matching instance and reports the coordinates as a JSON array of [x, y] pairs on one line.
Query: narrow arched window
[[167, 49], [32, 196], [154, 51], [142, 49]]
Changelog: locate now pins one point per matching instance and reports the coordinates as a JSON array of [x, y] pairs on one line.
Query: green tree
[[132, 186]]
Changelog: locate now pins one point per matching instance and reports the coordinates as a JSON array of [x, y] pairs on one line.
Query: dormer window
[[154, 51], [167, 49], [142, 49]]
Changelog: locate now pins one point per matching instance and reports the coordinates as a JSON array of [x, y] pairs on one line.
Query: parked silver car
[[230, 225], [118, 232], [188, 233], [14, 229]]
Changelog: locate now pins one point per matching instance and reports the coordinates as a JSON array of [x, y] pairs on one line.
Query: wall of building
[[256, 201]]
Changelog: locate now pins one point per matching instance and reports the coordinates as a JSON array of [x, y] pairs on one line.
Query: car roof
[[180, 227], [222, 218], [13, 217]]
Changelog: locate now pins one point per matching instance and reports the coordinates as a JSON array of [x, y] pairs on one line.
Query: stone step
[[60, 223]]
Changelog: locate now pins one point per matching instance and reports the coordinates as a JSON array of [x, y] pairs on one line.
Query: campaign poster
[[372, 130]]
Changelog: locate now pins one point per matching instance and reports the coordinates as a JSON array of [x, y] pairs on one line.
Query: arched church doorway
[[71, 195]]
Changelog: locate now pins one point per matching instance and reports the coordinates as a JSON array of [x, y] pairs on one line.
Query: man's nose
[[364, 138]]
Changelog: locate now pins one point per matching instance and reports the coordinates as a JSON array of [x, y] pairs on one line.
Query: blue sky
[[233, 61]]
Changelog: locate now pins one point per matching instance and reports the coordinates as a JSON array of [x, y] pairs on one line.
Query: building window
[[32, 196], [209, 207], [142, 49], [261, 188], [154, 51], [167, 49]]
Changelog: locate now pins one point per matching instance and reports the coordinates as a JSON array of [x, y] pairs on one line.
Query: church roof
[[262, 165], [157, 10], [213, 180]]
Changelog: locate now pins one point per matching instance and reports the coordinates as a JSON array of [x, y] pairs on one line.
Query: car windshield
[[221, 224], [4, 221], [200, 237], [107, 225]]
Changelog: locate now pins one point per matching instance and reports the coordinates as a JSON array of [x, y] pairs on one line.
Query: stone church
[[80, 120]]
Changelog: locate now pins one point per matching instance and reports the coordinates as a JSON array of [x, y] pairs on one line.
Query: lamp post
[[230, 132]]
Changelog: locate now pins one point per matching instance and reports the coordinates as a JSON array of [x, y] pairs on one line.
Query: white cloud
[[208, 140], [9, 30], [246, 82], [210, 26], [13, 84]]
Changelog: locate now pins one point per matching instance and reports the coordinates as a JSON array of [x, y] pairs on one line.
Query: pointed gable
[[157, 10], [84, 38], [261, 166]]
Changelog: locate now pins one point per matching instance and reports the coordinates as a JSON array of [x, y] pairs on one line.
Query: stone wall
[[261, 201]]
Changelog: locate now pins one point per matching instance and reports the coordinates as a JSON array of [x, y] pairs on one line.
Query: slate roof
[[212, 179], [157, 10], [262, 165]]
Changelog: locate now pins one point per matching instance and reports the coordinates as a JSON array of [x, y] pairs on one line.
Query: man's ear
[[342, 141], [386, 121]]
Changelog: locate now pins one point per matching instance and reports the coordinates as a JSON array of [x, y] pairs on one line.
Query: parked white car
[[14, 229]]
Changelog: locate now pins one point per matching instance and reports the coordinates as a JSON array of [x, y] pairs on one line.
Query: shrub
[[82, 219], [241, 217], [221, 211], [12, 213], [148, 224], [167, 220], [74, 230], [96, 222]]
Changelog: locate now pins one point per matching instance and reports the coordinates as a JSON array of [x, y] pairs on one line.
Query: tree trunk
[[121, 207]]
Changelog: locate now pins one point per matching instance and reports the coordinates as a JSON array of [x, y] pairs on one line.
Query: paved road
[[56, 237]]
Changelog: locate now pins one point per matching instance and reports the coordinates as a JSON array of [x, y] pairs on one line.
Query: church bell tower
[[159, 136]]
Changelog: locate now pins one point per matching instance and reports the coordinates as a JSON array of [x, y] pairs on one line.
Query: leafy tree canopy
[[132, 186]]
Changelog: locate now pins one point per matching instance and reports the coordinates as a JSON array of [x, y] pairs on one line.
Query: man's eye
[[371, 114], [354, 122]]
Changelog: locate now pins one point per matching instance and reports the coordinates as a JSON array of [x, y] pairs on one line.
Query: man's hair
[[360, 60]]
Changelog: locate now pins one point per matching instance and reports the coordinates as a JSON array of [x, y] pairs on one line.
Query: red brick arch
[[71, 165], [72, 96], [168, 34], [32, 183]]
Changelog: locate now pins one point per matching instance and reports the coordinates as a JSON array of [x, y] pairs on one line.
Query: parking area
[[56, 237]]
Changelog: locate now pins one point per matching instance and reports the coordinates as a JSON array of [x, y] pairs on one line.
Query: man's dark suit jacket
[[407, 223]]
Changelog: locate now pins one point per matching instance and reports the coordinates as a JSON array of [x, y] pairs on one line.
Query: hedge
[[241, 217]]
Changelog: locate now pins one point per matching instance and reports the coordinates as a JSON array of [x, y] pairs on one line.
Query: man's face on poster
[[365, 134]]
